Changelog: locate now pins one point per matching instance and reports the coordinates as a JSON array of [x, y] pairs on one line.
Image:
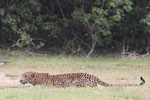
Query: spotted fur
[[67, 80]]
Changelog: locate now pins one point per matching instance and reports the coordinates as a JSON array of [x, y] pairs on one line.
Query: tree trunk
[[92, 49]]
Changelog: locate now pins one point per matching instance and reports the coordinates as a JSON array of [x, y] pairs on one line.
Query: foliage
[[75, 25]]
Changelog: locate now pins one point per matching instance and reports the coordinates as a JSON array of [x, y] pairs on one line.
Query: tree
[[99, 18]]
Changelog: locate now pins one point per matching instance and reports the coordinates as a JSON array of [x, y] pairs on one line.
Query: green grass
[[42, 93], [110, 69]]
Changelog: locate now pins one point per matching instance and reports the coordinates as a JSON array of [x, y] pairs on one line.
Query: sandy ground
[[8, 80]]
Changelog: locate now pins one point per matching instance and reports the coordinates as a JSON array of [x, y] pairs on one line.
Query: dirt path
[[4, 81]]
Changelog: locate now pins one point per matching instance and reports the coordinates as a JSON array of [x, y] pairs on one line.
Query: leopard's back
[[74, 79]]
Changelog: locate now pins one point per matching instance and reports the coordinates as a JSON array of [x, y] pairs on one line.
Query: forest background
[[76, 27]]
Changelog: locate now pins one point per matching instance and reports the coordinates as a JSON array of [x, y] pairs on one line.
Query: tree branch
[[80, 39], [60, 9]]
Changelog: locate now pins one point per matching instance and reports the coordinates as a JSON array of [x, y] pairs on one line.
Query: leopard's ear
[[32, 75]]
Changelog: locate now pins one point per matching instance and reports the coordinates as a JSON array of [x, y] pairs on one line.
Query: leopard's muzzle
[[23, 82]]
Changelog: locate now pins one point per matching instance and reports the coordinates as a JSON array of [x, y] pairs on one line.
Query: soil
[[5, 81]]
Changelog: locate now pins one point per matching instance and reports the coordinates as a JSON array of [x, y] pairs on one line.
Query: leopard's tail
[[108, 85]]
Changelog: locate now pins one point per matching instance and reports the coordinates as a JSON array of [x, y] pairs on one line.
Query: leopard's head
[[28, 77]]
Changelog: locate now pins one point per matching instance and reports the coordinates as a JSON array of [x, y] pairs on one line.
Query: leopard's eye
[[25, 75]]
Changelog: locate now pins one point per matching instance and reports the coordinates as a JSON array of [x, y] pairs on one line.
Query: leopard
[[67, 80]]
